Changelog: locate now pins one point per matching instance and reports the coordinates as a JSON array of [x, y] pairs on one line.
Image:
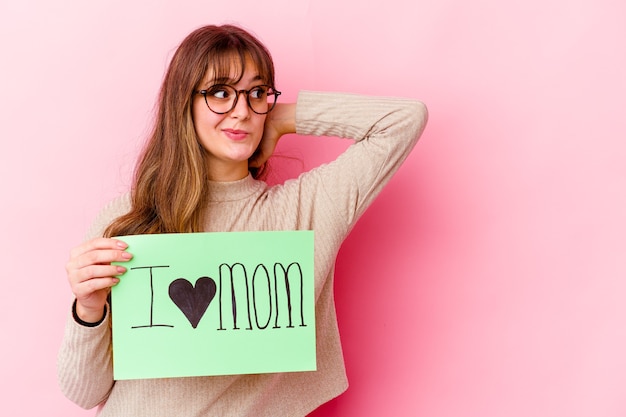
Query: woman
[[217, 124]]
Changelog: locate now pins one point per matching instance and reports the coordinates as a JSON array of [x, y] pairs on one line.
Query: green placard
[[195, 304]]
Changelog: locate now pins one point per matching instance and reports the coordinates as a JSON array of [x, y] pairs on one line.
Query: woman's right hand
[[280, 121], [91, 275]]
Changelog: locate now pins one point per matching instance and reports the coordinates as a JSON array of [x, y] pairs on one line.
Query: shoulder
[[112, 210]]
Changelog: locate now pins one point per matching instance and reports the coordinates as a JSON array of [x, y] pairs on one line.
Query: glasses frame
[[275, 93]]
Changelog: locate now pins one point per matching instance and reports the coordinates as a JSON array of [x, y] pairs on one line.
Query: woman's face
[[230, 138]]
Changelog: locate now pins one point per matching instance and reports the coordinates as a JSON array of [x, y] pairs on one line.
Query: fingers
[[265, 149], [99, 257], [94, 272], [90, 272], [97, 243], [87, 289], [98, 251], [258, 159]]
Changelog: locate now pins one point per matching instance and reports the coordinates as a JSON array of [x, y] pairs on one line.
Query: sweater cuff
[[86, 323]]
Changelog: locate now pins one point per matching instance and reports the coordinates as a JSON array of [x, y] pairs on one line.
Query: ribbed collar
[[234, 190]]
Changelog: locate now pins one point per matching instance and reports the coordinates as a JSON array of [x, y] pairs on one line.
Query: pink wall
[[487, 280]]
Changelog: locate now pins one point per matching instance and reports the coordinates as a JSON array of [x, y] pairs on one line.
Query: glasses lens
[[220, 98], [261, 99]]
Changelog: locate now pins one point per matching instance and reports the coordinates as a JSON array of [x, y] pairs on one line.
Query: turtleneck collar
[[234, 190]]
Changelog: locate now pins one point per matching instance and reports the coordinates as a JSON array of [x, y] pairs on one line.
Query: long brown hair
[[169, 192]]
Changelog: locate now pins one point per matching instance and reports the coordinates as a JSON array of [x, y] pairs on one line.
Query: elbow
[[80, 398], [419, 118], [80, 390]]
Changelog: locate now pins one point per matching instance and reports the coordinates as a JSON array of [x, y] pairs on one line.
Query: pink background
[[489, 277]]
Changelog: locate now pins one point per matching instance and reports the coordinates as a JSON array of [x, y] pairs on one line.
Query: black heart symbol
[[193, 302]]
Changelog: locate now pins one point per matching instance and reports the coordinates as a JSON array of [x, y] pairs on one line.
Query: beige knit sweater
[[328, 200]]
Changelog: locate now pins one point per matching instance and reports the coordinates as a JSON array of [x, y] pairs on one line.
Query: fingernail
[[126, 255], [121, 269], [121, 244]]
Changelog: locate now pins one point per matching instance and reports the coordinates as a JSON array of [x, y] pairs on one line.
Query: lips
[[235, 134]]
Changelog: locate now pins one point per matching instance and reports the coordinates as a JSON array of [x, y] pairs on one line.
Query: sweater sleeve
[[84, 363], [84, 368], [385, 131]]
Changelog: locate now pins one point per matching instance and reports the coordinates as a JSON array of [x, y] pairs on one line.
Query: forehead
[[230, 69]]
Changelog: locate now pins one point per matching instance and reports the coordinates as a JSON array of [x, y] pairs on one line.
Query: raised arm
[[385, 131]]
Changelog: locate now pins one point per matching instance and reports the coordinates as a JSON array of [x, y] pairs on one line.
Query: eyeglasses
[[222, 98]]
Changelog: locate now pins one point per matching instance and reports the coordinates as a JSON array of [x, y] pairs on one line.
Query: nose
[[241, 109]]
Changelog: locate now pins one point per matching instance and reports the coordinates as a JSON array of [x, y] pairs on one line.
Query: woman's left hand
[[280, 121]]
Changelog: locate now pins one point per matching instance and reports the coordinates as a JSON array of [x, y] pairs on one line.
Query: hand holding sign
[[90, 274]]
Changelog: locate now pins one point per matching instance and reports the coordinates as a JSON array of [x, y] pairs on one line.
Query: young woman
[[217, 124]]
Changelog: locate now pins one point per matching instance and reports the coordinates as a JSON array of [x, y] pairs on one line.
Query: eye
[[259, 93], [220, 92]]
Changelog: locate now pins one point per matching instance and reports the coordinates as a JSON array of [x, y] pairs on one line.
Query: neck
[[228, 173]]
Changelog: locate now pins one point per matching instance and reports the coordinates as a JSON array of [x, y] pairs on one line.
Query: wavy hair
[[169, 192]]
